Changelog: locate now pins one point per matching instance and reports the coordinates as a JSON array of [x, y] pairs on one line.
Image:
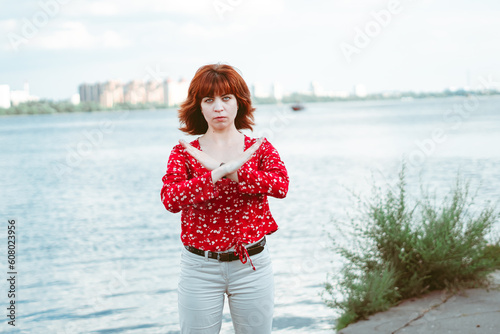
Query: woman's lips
[[220, 118]]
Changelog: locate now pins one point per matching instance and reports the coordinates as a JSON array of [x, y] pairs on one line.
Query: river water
[[98, 253]]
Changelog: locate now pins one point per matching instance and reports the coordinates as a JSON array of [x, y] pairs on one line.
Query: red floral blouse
[[216, 217]]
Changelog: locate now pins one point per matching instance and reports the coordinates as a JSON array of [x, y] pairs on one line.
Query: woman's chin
[[220, 125]]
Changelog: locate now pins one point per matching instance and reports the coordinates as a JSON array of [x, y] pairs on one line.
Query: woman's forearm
[[217, 174], [233, 176]]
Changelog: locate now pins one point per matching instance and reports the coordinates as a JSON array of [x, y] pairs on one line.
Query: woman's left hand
[[207, 161], [233, 165]]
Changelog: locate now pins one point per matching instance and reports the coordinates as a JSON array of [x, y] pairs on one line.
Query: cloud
[[261, 7], [105, 8], [198, 31], [75, 35], [126, 8], [264, 38], [8, 25]]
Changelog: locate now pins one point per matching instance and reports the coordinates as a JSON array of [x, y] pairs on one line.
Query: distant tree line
[[307, 98], [54, 107]]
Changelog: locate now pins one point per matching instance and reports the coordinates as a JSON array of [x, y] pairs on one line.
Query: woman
[[220, 181]]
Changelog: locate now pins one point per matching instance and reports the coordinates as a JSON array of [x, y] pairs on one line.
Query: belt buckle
[[224, 257]]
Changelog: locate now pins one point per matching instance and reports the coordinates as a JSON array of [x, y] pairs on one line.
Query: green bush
[[492, 252], [403, 248]]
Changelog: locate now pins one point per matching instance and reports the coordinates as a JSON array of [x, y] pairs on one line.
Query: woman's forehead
[[217, 86]]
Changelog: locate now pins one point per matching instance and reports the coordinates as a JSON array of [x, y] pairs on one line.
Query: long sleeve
[[178, 191], [271, 177]]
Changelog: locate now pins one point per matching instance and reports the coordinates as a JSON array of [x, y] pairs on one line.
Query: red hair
[[213, 80]]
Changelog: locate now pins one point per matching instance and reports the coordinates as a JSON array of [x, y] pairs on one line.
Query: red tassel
[[242, 252]]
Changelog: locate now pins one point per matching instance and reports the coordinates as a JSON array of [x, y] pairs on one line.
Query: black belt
[[229, 256]]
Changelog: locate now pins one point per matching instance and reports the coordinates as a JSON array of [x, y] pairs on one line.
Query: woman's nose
[[218, 105]]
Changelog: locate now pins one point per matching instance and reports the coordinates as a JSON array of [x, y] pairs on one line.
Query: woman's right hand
[[233, 165], [207, 161]]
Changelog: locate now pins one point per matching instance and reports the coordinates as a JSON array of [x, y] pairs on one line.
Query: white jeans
[[203, 283]]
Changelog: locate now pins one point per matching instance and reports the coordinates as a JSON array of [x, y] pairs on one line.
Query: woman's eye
[[226, 98], [208, 100]]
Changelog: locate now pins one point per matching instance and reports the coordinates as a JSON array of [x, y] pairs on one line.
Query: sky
[[419, 45]]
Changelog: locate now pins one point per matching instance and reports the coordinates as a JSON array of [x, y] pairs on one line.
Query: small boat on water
[[297, 107]]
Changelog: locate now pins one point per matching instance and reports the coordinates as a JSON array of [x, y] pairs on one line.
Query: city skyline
[[386, 45], [258, 89]]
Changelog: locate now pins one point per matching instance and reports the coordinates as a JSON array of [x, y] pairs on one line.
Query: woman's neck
[[222, 137]]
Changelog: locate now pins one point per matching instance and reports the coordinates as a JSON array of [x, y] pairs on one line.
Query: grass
[[402, 248]]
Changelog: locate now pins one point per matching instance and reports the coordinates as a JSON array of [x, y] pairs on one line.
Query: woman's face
[[219, 111]]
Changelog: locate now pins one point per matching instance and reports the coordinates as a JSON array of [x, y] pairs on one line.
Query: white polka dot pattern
[[216, 217]]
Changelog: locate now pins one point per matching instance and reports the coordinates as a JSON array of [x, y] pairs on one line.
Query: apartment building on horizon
[[9, 97], [109, 93]]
